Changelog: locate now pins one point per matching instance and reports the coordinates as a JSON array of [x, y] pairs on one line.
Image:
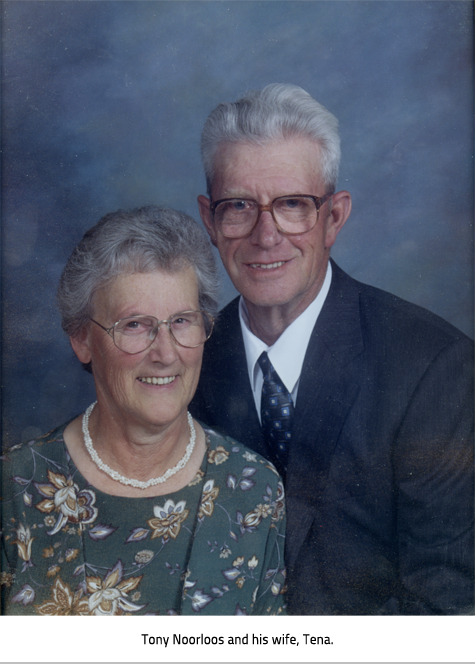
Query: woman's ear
[[80, 345]]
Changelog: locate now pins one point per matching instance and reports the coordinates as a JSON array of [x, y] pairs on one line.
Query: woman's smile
[[157, 380]]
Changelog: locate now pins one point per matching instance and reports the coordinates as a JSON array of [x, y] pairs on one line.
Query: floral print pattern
[[213, 548], [208, 497], [110, 596], [168, 520], [64, 602], [63, 496], [24, 541]]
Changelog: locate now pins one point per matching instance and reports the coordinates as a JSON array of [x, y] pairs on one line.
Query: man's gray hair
[[278, 111], [142, 240]]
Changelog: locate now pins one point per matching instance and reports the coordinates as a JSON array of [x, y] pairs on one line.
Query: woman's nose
[[164, 346]]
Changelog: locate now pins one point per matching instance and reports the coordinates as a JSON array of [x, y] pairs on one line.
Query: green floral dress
[[216, 547]]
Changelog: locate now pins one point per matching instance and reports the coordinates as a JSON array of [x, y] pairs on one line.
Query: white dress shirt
[[288, 352]]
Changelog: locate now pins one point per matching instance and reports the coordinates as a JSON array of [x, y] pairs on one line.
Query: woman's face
[[121, 379]]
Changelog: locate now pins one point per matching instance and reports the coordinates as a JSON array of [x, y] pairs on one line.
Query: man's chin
[[263, 299]]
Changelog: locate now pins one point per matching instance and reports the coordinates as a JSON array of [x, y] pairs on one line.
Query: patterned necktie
[[277, 411]]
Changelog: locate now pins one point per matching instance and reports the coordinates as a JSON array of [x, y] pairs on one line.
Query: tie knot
[[264, 363]]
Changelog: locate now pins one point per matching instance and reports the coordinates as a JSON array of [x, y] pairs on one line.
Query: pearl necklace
[[135, 482]]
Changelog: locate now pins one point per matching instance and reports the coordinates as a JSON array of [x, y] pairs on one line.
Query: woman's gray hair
[[278, 111], [142, 240]]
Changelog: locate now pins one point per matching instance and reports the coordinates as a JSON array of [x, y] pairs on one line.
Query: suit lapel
[[327, 390], [233, 395]]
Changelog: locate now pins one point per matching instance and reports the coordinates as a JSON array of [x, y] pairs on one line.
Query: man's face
[[269, 268]]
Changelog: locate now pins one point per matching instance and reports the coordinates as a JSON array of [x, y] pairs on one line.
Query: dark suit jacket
[[380, 479]]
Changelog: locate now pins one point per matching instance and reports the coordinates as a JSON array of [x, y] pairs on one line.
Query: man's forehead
[[277, 161]]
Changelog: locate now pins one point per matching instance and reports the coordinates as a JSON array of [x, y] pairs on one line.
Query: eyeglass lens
[[136, 334], [294, 215]]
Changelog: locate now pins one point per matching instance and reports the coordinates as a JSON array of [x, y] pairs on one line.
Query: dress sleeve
[[237, 559], [270, 595], [10, 511], [7, 578]]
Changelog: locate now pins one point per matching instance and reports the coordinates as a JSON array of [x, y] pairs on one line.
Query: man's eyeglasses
[[293, 214], [137, 333]]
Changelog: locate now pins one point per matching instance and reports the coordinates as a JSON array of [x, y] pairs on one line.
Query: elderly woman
[[134, 507]]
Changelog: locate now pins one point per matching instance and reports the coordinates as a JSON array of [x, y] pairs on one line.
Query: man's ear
[[336, 219], [205, 213], [80, 345]]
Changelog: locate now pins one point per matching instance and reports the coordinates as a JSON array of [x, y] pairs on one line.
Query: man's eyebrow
[[236, 195]]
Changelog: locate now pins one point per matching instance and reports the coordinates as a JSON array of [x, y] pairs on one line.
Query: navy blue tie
[[277, 411]]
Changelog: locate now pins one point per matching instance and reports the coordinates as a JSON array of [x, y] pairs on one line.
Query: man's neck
[[268, 323]]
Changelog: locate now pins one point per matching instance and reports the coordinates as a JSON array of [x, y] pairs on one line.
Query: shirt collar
[[288, 352]]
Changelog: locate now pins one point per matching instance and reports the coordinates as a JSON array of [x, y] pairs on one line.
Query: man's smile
[[272, 265]]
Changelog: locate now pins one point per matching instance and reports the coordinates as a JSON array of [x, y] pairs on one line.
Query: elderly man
[[363, 401]]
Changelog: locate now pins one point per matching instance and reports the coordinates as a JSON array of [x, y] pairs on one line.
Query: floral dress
[[216, 547]]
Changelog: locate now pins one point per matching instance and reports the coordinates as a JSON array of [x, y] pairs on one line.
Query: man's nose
[[266, 232]]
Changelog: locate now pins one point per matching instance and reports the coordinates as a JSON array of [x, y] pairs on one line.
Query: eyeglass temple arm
[[324, 198], [108, 330]]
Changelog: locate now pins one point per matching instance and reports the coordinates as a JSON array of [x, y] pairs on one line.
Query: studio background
[[103, 105]]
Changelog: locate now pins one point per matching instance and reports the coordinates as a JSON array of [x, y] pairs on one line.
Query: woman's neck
[[137, 449], [134, 453]]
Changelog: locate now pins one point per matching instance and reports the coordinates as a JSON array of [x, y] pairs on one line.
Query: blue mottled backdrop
[[103, 103]]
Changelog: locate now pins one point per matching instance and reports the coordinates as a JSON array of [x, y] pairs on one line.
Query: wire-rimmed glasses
[[293, 214], [137, 333]]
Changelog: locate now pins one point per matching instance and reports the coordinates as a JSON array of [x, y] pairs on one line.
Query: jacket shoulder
[[389, 318]]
